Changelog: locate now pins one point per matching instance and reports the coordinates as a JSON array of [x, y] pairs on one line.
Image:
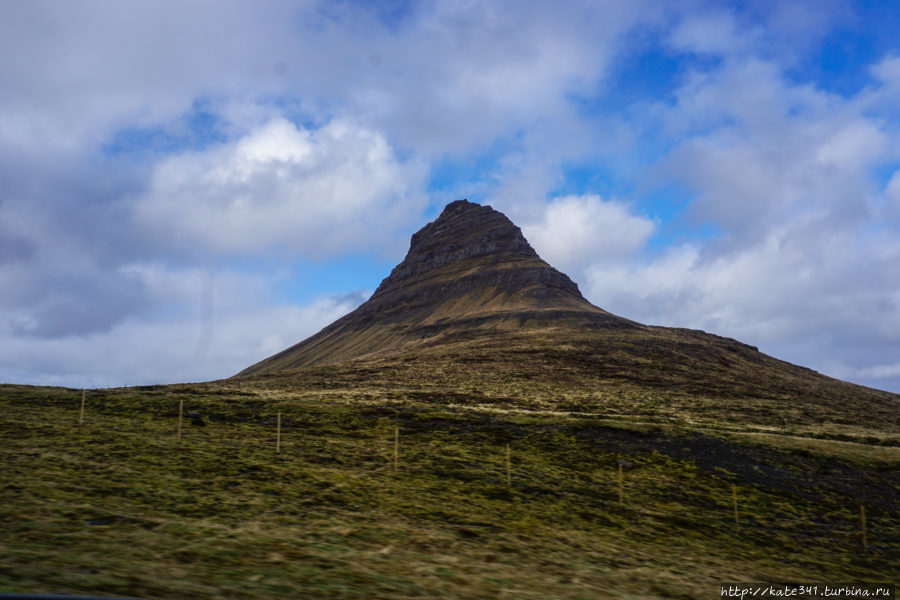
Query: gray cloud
[[56, 301], [14, 247]]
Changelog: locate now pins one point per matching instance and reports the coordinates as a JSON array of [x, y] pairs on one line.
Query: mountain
[[473, 299], [471, 269]]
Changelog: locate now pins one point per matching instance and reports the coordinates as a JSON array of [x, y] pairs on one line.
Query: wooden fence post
[[180, 416], [862, 522], [737, 525], [621, 492], [81, 414], [396, 447], [508, 469]]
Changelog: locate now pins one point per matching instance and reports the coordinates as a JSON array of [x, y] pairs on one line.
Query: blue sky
[[188, 187]]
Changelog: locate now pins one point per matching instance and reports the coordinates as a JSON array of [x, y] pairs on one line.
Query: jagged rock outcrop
[[470, 268]]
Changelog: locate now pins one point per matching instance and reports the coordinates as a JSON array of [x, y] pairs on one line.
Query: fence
[[385, 449]]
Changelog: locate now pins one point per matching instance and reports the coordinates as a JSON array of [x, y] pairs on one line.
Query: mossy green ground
[[120, 506]]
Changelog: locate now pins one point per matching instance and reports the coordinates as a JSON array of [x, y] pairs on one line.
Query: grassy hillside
[[120, 506], [673, 375]]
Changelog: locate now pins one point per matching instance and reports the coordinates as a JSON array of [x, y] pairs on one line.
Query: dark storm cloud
[[14, 248], [69, 305]]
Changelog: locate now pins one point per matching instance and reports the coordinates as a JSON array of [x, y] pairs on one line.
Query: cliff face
[[464, 230], [476, 254], [469, 270]]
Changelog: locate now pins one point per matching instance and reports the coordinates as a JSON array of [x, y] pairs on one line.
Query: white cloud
[[462, 74], [451, 76], [761, 150], [313, 192], [892, 190], [879, 371], [790, 286], [709, 33], [575, 231], [888, 71], [167, 349], [75, 73], [786, 30], [166, 286]]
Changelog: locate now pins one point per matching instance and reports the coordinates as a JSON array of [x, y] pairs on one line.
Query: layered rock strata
[[470, 269]]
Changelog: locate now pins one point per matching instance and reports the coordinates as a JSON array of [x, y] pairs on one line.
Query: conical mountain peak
[[467, 229], [456, 242], [470, 270]]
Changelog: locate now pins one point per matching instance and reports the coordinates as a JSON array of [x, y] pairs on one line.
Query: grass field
[[120, 506]]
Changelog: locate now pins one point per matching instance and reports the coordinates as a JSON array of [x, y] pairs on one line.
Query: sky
[[189, 187]]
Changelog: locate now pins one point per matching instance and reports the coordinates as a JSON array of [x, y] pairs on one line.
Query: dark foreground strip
[[57, 597]]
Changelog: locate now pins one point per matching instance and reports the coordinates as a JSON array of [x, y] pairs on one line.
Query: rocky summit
[[473, 261]]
